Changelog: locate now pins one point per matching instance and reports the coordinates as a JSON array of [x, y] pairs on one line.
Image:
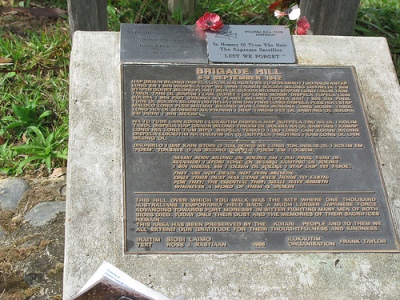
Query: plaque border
[[390, 212]]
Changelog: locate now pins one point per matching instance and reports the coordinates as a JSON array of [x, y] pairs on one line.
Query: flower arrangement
[[297, 25]]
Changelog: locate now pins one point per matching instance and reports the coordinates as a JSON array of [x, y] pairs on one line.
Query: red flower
[[302, 26], [210, 21], [274, 6]]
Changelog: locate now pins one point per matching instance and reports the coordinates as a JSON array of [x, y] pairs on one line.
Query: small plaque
[[250, 159], [154, 43], [251, 44]]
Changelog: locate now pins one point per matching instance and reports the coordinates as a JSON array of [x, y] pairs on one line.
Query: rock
[[33, 242], [11, 192], [57, 185], [44, 212], [33, 278], [63, 190], [2, 232]]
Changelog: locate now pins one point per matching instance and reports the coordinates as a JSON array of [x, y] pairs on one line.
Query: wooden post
[[330, 17], [87, 15], [187, 7]]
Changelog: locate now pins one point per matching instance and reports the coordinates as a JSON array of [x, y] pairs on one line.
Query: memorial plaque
[[154, 43], [251, 44], [250, 159]]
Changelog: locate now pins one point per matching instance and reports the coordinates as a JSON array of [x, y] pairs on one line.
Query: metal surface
[[251, 44], [233, 159], [154, 43]]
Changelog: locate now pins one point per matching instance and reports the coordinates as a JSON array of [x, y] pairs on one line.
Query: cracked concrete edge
[[94, 227]]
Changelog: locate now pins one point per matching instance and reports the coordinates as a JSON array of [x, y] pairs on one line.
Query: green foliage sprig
[[43, 147]]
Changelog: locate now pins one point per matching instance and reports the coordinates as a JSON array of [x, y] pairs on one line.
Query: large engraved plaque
[[254, 159]]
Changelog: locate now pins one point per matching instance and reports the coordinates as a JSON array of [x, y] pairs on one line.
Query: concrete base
[[94, 217]]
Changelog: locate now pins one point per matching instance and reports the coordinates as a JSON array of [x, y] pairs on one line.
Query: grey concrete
[[94, 217], [11, 192], [44, 212]]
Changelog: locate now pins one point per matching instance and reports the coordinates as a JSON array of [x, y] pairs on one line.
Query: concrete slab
[[94, 211]]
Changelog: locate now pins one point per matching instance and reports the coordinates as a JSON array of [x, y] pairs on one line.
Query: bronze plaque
[[253, 159], [159, 43]]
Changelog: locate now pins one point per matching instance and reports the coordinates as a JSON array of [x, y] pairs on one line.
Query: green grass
[[34, 89], [385, 4], [156, 12], [381, 18], [34, 102]]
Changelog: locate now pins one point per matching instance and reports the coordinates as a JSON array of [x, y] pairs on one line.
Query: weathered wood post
[[329, 17], [187, 7], [87, 15]]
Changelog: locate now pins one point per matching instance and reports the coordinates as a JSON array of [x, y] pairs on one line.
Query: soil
[[31, 258]]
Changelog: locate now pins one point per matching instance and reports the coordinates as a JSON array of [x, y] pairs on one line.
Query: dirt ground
[[31, 258]]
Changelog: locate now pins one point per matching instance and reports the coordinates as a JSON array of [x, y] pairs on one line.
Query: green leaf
[[7, 76], [27, 161], [45, 114], [9, 118], [38, 133], [24, 113]]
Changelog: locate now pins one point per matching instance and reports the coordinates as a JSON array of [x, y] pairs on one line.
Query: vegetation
[[34, 87], [381, 18]]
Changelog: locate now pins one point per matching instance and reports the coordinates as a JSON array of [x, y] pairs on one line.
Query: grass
[[381, 18], [34, 89], [34, 102]]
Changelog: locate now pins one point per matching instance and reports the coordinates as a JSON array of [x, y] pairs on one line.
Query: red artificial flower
[[274, 6], [210, 21], [302, 26]]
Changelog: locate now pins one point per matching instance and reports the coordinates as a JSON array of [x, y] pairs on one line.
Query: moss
[[57, 270]]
